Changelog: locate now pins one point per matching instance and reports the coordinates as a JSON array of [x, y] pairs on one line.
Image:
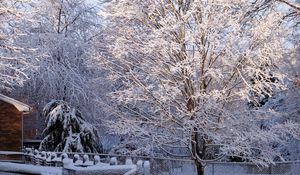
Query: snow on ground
[[10, 153], [102, 168], [185, 170], [292, 168], [29, 169]]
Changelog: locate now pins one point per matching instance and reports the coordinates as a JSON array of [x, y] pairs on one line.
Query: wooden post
[[96, 160], [140, 170], [43, 158], [64, 156], [85, 158], [128, 161], [113, 161], [75, 158], [147, 168]]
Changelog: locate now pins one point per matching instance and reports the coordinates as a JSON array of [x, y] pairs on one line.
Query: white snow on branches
[[67, 131], [189, 70]]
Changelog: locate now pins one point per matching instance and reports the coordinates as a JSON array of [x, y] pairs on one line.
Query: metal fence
[[280, 168], [171, 167]]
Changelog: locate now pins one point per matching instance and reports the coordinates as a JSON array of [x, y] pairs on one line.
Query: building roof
[[19, 105]]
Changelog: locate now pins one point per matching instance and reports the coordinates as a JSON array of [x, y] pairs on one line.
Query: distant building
[[11, 123]]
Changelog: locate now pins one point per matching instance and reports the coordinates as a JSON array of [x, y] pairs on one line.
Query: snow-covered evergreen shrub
[[129, 147], [67, 131], [285, 107]]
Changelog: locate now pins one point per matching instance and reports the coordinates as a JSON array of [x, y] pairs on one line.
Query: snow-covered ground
[[70, 167], [185, 170], [6, 173], [222, 168], [10, 153], [6, 167], [292, 168]]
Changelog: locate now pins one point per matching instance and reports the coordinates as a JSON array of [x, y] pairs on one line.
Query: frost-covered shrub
[[67, 131], [285, 106], [129, 147]]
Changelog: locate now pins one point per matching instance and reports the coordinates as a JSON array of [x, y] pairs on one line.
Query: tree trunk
[[196, 151], [200, 168]]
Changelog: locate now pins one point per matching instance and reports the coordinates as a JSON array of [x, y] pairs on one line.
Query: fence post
[[139, 165], [113, 161], [64, 156], [85, 158], [128, 161], [271, 171], [96, 160], [146, 168], [36, 155], [76, 160], [43, 158]]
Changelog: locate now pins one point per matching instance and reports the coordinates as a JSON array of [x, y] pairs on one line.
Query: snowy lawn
[[10, 153], [30, 169]]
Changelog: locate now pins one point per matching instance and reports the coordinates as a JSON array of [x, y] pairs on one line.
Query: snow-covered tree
[[290, 10], [294, 5], [62, 31], [15, 64], [187, 68], [67, 131]]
